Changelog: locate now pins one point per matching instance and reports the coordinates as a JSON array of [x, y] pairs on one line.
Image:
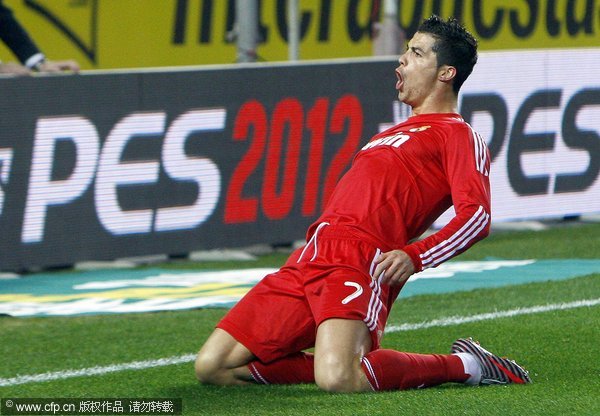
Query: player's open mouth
[[400, 81]]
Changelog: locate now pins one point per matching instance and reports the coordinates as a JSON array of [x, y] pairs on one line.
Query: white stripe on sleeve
[[447, 248]]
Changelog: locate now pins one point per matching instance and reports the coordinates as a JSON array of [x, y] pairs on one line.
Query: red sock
[[391, 370], [293, 369]]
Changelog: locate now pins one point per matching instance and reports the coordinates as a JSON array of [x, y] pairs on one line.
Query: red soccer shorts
[[331, 277]]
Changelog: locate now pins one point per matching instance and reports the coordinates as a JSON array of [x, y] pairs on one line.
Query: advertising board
[[109, 165]]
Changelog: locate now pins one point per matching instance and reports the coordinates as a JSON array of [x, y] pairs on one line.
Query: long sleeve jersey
[[402, 180]]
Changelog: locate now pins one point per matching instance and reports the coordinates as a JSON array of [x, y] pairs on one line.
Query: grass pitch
[[559, 347]]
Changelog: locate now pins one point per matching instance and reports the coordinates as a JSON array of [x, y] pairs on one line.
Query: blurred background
[[202, 124], [109, 34]]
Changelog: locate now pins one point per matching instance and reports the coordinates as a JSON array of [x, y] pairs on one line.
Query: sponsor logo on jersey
[[418, 129], [395, 140]]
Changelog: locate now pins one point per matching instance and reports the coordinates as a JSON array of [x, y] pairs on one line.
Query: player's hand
[[396, 264], [59, 66]]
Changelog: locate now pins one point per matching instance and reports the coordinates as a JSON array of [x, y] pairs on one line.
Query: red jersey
[[405, 178]]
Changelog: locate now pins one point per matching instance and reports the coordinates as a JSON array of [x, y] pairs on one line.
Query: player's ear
[[446, 73]]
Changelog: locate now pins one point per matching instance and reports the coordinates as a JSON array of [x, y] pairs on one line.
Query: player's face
[[418, 70]]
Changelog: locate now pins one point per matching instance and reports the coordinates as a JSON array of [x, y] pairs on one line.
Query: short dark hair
[[454, 46]]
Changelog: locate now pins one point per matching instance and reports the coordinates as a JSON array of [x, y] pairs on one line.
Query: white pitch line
[[94, 371], [141, 365], [456, 320]]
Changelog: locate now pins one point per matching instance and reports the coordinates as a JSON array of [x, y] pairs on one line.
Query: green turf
[[560, 348]]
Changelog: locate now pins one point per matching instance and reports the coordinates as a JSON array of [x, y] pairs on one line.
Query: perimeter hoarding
[[104, 34], [115, 165], [111, 165]]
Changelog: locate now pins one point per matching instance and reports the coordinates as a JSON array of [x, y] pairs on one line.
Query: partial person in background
[[16, 38]]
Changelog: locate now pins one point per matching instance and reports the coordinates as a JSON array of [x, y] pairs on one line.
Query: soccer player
[[335, 293]]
